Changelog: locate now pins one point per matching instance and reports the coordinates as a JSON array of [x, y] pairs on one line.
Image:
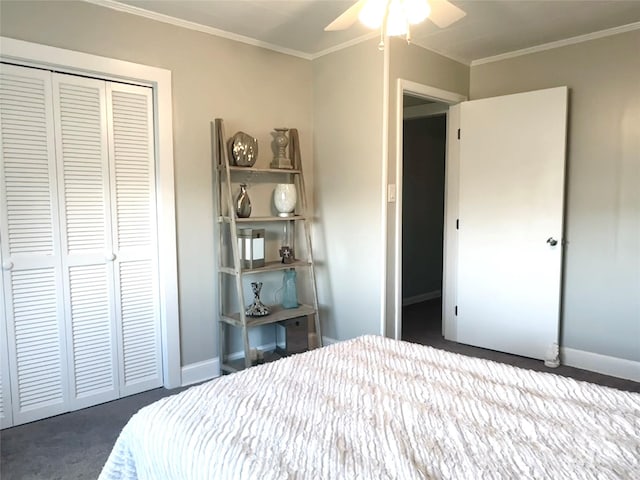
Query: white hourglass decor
[[285, 197]]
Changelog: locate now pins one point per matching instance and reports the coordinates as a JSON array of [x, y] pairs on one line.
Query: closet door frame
[[67, 61]]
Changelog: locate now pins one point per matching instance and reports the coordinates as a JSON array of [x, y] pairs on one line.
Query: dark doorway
[[423, 185]]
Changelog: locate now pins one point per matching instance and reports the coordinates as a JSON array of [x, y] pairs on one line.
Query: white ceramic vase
[[285, 197]]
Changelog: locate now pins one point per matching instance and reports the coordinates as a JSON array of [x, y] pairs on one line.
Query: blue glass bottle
[[289, 294]]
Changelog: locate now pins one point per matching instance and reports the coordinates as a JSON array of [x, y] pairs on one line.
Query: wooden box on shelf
[[292, 336]]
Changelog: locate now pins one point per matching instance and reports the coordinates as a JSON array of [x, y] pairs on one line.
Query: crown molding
[[446, 55], [560, 43], [159, 17], [141, 12], [344, 45]]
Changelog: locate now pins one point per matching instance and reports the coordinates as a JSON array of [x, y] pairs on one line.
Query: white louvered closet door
[[85, 219], [32, 277], [132, 156], [6, 413], [78, 239]]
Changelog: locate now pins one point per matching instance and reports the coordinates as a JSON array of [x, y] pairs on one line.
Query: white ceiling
[[491, 27]]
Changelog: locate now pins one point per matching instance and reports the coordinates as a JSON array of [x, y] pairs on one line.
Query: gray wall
[[336, 103], [423, 204], [347, 121], [602, 257], [212, 77]]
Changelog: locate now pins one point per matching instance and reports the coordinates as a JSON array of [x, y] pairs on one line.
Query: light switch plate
[[391, 192]]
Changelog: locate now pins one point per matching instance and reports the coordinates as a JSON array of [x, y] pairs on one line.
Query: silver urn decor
[[280, 160]]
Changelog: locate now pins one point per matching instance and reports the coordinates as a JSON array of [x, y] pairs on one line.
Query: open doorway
[[423, 196], [424, 101]]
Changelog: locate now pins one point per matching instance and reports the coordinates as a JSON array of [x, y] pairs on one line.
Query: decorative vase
[[257, 308], [243, 149], [243, 203], [285, 197], [281, 141], [290, 293]]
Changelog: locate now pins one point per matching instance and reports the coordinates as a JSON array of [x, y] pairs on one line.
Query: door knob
[[552, 241], [8, 265], [110, 257]]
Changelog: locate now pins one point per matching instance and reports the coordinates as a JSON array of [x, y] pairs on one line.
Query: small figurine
[[287, 254]]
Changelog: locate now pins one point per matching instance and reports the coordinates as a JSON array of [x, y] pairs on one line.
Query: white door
[[511, 202], [32, 276], [85, 225], [6, 413], [135, 245]]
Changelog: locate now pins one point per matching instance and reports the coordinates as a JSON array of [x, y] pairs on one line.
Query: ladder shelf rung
[[268, 267], [261, 170], [277, 315], [225, 219]]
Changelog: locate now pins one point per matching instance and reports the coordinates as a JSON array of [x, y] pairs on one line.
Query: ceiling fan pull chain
[[384, 26]]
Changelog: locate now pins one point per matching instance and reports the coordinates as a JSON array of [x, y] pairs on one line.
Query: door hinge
[[457, 224], [458, 134], [456, 310]]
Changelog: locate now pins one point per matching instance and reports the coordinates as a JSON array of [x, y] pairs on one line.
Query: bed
[[375, 408]]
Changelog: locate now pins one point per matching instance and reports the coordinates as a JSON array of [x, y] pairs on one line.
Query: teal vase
[[290, 293]]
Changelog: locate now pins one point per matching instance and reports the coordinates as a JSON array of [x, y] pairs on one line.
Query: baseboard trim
[[266, 347], [200, 371], [422, 297], [209, 369], [594, 362]]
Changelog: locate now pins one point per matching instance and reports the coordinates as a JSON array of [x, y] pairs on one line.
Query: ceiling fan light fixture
[[393, 16], [397, 20], [416, 10], [373, 13]]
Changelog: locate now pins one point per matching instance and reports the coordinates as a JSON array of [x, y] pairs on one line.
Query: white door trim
[[430, 93], [159, 79]]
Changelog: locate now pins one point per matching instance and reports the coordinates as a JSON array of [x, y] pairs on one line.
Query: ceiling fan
[[394, 17]]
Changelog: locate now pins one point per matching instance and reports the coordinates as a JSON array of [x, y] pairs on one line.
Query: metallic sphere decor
[[244, 149]]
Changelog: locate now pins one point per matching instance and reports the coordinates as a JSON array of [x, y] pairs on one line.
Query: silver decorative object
[[244, 150], [281, 141], [243, 203], [257, 308]]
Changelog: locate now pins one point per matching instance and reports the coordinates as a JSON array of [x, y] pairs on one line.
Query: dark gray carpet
[[422, 323], [73, 446]]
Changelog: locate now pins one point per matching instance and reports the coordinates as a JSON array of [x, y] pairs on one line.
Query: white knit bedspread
[[374, 408]]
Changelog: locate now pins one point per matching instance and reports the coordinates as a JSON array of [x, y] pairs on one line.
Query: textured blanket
[[375, 408]]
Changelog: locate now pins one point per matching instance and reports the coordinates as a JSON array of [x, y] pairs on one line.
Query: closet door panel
[[30, 247], [83, 169], [6, 413], [135, 236]]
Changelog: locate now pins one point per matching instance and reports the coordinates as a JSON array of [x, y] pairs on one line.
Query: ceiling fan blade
[[444, 13], [347, 19]]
